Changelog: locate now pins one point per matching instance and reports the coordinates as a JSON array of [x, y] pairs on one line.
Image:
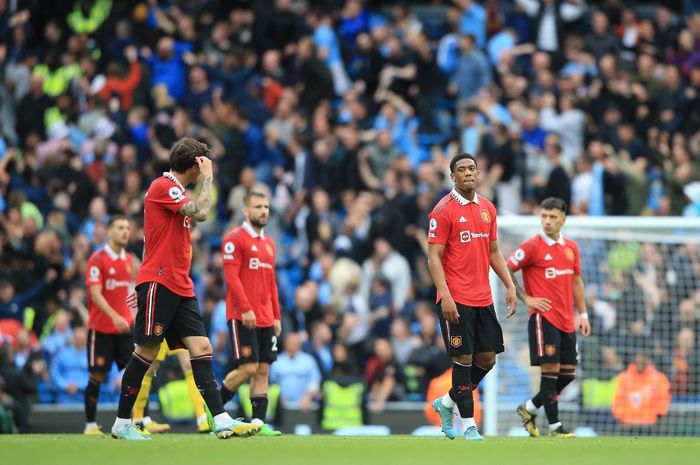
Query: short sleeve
[[521, 257], [494, 225], [577, 260], [94, 272], [439, 227], [168, 195]]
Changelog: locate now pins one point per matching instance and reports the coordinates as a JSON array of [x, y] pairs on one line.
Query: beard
[[259, 222]]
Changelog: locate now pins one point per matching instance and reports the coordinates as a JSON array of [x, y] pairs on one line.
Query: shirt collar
[[549, 241], [172, 177], [463, 200], [114, 255], [249, 229]]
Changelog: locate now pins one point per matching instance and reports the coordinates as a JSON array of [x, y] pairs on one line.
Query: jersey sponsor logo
[[467, 236], [158, 329], [112, 284], [550, 349], [176, 194], [462, 219], [485, 216], [551, 273], [456, 341], [246, 351], [94, 273], [255, 263], [433, 224], [112, 271], [569, 253], [547, 257]]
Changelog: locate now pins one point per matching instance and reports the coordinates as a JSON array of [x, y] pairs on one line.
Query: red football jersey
[[114, 272], [168, 252], [549, 268], [249, 272], [466, 228]]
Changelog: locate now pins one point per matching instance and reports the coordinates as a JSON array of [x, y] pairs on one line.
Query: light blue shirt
[[295, 376], [473, 21], [325, 37], [497, 44]]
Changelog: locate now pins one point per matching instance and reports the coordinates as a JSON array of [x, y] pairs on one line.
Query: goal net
[[639, 371]]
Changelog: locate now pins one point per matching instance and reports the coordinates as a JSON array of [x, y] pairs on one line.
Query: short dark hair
[[553, 203], [461, 156], [184, 153], [251, 194], [114, 218]]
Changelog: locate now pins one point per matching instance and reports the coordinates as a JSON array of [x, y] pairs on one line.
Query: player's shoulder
[[166, 183], [234, 235], [443, 204], [97, 256], [570, 242]]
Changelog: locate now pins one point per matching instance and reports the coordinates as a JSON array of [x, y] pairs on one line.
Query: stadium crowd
[[346, 113]]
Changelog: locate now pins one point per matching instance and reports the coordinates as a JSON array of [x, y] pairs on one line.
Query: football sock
[[530, 406], [566, 376], [447, 401], [548, 394], [226, 395], [467, 422], [141, 403], [131, 384], [461, 391], [259, 403], [206, 383], [195, 396], [91, 396], [478, 374]]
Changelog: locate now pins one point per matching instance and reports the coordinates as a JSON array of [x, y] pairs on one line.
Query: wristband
[[584, 315]]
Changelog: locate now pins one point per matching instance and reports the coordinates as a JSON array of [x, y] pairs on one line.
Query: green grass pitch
[[192, 449]]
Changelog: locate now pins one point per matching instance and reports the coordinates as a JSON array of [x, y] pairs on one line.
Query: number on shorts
[[274, 343]]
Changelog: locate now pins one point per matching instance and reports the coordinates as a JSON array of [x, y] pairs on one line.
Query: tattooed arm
[[541, 304], [198, 209], [519, 291]]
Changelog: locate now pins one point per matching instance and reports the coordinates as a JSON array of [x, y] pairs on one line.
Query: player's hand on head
[[249, 319], [541, 304], [205, 166], [449, 310]]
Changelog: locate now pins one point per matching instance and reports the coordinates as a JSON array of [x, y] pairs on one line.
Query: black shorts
[[165, 315], [105, 348], [549, 344], [252, 345], [478, 331]]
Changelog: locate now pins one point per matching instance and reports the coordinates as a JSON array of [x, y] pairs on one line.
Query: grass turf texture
[[193, 449]]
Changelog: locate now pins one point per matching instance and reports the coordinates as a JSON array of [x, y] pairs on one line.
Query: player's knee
[[199, 346], [249, 369], [486, 362], [97, 377], [263, 370], [464, 359], [148, 352]]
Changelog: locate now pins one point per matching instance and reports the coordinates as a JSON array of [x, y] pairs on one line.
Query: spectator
[[382, 375], [69, 373], [297, 374]]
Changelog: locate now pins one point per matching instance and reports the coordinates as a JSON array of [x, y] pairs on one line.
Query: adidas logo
[[462, 219], [254, 248], [112, 271], [547, 257]]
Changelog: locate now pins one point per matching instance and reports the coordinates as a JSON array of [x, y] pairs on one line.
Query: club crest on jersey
[[550, 349], [246, 351], [158, 329], [485, 216], [433, 224], [456, 341], [569, 253], [99, 361]]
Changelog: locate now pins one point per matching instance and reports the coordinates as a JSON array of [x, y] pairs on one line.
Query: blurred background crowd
[[346, 113]]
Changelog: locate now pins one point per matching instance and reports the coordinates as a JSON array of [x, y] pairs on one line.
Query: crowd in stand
[[346, 114]]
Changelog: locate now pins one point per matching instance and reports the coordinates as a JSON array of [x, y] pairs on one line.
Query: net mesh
[[643, 299]]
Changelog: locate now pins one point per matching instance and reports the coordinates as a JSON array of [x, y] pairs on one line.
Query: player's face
[[552, 221], [258, 212], [465, 175], [119, 232]]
